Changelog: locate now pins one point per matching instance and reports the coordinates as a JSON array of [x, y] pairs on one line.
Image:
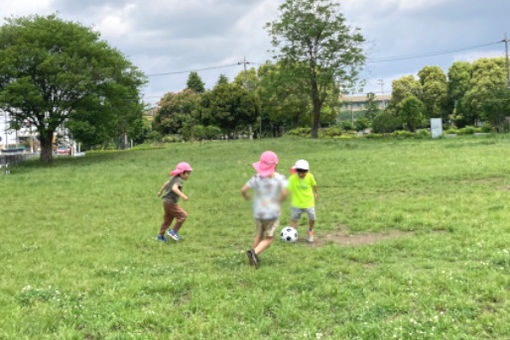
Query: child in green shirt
[[303, 188]]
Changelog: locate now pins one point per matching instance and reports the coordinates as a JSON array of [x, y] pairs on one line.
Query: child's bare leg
[[311, 223], [293, 224], [263, 244], [258, 238]]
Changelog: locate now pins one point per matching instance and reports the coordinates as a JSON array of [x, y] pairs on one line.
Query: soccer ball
[[288, 234]]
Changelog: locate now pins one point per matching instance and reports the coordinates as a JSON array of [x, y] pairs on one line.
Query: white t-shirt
[[266, 201]]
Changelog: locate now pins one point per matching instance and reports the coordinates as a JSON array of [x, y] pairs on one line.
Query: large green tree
[[496, 107], [53, 71], [459, 75], [314, 33], [249, 79], [487, 76], [401, 89], [283, 98], [410, 112], [176, 111], [372, 108], [434, 91], [230, 107]]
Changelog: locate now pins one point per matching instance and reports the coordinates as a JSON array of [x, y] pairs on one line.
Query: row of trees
[[261, 101], [468, 94], [317, 56]]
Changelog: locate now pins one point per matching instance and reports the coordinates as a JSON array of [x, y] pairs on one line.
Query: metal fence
[[9, 158]]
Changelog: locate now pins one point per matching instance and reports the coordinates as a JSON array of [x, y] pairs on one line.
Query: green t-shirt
[[170, 196], [301, 191]]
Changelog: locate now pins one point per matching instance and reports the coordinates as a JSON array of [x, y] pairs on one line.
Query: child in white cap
[[172, 191], [270, 190], [303, 190]]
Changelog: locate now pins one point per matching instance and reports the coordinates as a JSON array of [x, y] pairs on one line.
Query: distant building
[[358, 103], [8, 137], [26, 137]]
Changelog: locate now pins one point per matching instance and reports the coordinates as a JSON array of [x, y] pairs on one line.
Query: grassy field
[[79, 259]]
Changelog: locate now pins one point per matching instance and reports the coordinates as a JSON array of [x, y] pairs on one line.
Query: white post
[[436, 127]]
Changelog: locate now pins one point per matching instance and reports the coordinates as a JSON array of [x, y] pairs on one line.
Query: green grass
[[79, 260]]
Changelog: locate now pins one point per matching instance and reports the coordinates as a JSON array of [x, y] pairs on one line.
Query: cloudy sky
[[172, 36]]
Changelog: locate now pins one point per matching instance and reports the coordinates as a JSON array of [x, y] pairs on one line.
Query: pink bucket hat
[[180, 168], [267, 164]]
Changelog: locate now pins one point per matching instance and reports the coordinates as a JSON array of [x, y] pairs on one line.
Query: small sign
[[436, 127]]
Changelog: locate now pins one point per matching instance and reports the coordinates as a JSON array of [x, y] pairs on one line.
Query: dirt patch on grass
[[344, 238]]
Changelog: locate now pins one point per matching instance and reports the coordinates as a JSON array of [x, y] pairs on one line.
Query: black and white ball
[[288, 234]]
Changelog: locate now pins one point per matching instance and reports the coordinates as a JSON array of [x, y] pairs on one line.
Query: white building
[[10, 138], [7, 136]]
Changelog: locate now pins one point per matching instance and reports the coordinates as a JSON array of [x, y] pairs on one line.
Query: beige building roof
[[357, 99]]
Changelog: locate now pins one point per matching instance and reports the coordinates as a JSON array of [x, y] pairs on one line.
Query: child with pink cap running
[[270, 189], [172, 192]]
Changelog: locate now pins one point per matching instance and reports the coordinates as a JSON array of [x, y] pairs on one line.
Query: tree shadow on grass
[[87, 160]]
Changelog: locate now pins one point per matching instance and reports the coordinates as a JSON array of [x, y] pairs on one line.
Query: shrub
[[423, 133], [170, 139], [333, 131], [302, 131], [212, 132], [386, 122], [487, 127], [154, 136], [199, 132], [451, 131], [361, 124], [403, 134], [374, 135], [346, 125], [468, 130]]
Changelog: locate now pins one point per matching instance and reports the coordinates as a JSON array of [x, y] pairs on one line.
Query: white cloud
[[115, 25], [17, 8], [406, 5]]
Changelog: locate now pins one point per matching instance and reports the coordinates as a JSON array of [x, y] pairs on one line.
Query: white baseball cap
[[301, 164]]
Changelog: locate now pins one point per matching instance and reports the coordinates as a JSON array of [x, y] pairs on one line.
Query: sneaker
[[161, 238], [309, 238], [173, 235], [252, 257]]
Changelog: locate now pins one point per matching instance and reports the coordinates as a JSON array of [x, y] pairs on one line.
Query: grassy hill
[[413, 241]]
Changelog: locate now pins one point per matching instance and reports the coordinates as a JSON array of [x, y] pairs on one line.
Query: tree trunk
[[46, 146], [316, 113], [295, 121]]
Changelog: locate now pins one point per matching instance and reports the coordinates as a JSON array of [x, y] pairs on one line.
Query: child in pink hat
[[270, 189], [172, 192]]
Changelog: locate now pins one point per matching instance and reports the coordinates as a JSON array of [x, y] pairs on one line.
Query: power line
[[433, 54], [195, 70], [369, 61]]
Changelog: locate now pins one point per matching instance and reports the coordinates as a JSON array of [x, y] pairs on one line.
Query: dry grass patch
[[342, 237]]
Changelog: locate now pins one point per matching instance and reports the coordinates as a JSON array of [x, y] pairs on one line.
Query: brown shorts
[[267, 227]]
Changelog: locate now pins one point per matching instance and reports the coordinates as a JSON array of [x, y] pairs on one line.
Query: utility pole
[[507, 68], [381, 83], [244, 62]]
